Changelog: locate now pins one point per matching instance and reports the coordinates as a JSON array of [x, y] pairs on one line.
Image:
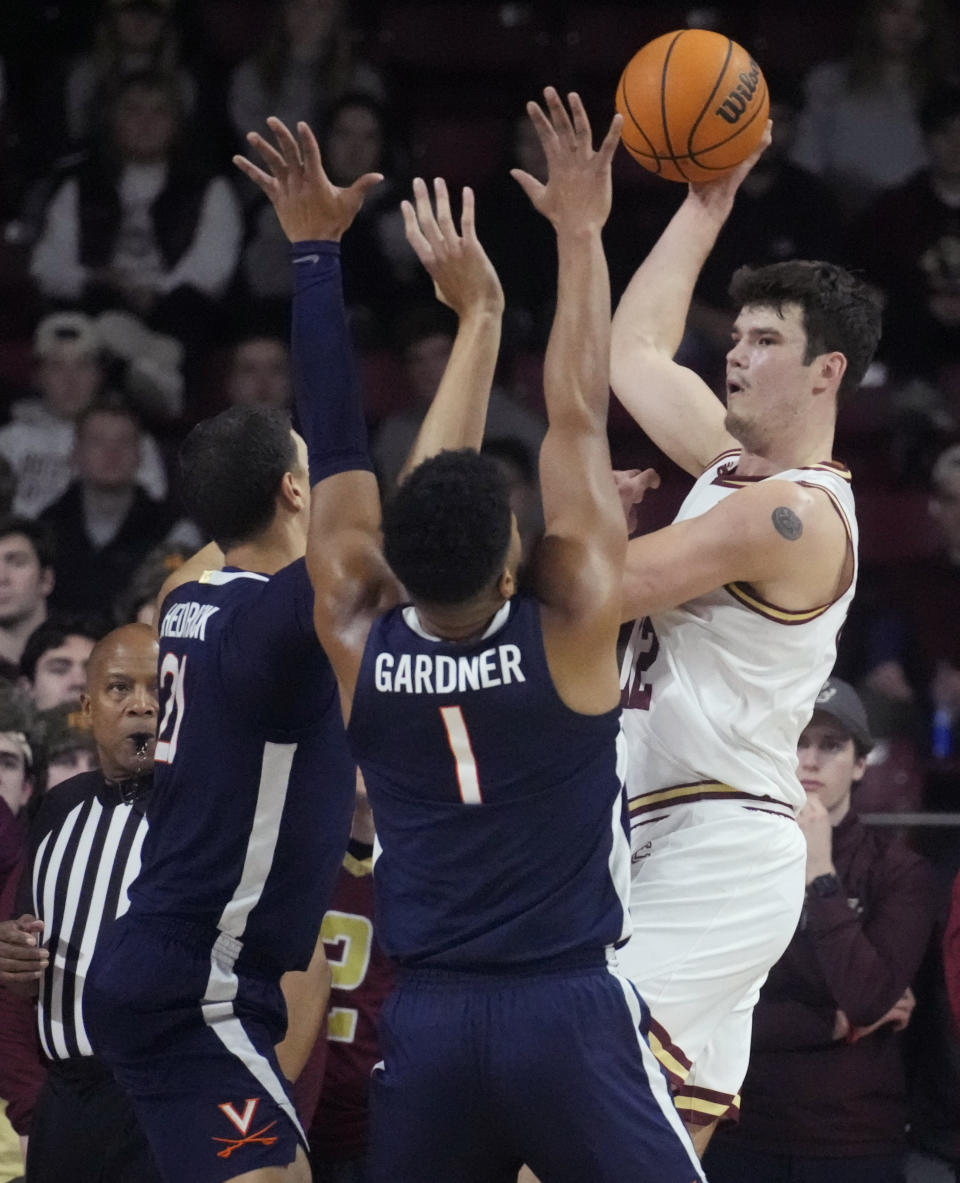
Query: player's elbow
[[633, 362], [578, 417]]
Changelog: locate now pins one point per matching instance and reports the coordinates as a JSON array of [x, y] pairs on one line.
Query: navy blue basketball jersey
[[254, 784], [500, 811]]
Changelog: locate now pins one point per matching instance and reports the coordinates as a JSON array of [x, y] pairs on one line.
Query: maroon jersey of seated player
[[362, 978]]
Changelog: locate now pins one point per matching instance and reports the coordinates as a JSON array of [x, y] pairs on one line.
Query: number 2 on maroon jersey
[[352, 939], [636, 694]]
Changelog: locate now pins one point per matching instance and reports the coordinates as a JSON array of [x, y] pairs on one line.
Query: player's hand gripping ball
[[694, 105]]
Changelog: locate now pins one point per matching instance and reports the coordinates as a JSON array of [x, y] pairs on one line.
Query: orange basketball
[[694, 105]]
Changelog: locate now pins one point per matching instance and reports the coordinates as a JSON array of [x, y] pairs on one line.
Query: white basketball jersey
[[716, 692]]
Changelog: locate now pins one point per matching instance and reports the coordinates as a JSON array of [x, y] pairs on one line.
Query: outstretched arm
[[350, 577], [463, 279], [674, 406], [580, 561]]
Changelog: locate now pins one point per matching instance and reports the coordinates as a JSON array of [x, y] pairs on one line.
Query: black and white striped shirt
[[85, 847]]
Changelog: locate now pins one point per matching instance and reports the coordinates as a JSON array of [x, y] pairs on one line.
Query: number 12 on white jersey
[[459, 740]]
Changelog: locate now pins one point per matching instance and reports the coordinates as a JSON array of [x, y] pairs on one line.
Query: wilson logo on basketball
[[694, 105], [736, 102]]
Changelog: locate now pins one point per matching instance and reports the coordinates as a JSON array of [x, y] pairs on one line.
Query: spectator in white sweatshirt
[[38, 443]]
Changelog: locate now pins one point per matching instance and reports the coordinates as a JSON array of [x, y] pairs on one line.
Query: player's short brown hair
[[840, 311], [231, 467]]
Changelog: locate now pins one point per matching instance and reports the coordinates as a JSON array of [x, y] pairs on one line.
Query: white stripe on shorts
[[658, 1085], [222, 985], [219, 1015]]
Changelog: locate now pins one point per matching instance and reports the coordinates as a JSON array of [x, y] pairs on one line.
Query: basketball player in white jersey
[[737, 607]]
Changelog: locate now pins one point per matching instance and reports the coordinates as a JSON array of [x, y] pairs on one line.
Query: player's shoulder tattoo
[[786, 522]]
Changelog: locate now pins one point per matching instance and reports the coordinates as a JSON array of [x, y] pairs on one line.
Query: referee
[[84, 851]]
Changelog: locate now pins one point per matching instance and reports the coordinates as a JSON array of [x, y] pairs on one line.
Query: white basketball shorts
[[716, 893]]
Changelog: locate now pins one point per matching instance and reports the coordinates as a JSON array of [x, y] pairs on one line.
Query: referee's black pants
[[84, 1129]]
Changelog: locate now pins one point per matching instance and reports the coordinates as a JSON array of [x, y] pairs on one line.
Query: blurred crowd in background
[[144, 281], [144, 285]]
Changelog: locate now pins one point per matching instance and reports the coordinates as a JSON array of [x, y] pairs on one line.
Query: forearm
[[458, 412], [325, 383], [867, 968], [343, 556], [652, 311], [576, 367], [307, 995]]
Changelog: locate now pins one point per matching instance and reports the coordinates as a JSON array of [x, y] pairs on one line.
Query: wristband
[[824, 886]]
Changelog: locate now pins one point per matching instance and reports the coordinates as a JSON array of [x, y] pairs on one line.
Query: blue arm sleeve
[[328, 407]]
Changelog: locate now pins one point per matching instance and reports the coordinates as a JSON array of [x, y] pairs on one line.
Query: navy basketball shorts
[[483, 1073], [191, 1042]]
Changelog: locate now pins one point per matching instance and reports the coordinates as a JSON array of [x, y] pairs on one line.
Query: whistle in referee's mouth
[[140, 739]]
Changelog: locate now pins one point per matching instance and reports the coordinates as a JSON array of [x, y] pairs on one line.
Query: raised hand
[[463, 277], [723, 190], [308, 204], [578, 190]]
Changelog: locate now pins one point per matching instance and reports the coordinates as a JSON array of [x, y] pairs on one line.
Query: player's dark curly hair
[[446, 530], [231, 467], [840, 311]]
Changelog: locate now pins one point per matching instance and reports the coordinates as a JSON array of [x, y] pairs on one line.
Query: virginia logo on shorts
[[243, 1122]]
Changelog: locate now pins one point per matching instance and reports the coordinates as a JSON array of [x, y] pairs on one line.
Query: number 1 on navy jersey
[[459, 739], [175, 670]]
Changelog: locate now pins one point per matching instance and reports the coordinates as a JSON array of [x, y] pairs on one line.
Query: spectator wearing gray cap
[[39, 441], [824, 1100]]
